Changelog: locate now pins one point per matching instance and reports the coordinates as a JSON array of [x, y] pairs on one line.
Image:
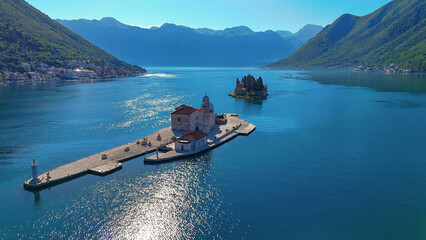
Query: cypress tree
[[252, 82], [259, 84], [244, 81]]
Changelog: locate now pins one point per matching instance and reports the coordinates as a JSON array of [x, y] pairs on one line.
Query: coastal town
[[39, 72], [391, 68]]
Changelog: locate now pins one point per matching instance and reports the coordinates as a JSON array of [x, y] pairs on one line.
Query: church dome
[[206, 98]]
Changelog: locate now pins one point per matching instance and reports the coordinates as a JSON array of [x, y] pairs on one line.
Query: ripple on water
[[160, 75], [399, 103], [148, 108], [177, 201], [273, 124]]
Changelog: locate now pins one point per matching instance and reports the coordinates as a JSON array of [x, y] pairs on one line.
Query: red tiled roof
[[184, 110], [186, 132], [193, 136]]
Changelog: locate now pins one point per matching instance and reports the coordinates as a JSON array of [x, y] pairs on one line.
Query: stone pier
[[101, 163], [111, 160]]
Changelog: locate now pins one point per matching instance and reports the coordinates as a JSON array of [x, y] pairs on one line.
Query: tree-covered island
[[250, 88]]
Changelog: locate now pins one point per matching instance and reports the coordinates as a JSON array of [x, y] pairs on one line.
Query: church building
[[186, 118]]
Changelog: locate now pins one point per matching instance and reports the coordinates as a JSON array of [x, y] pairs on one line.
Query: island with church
[[192, 131], [198, 130], [250, 88]]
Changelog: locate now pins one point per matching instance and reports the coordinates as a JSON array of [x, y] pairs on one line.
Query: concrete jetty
[[101, 163], [111, 160], [222, 133]]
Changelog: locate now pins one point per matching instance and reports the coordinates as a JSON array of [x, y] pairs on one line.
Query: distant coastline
[[391, 69], [40, 73]]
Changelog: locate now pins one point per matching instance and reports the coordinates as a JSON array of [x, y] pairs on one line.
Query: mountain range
[[301, 37], [392, 36], [28, 35], [173, 45]]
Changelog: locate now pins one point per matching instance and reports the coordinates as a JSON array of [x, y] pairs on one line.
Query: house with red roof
[[186, 118], [191, 141]]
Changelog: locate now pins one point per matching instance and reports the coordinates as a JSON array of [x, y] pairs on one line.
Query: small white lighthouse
[[34, 169]]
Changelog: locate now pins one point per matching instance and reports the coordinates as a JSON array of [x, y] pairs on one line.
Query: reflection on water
[[9, 152], [399, 103], [148, 108], [413, 83], [167, 205], [251, 101], [176, 201], [36, 196], [160, 75]]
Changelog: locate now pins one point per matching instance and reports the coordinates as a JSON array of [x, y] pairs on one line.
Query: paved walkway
[[94, 164]]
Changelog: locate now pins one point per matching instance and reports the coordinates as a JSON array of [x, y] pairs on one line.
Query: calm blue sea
[[336, 155]]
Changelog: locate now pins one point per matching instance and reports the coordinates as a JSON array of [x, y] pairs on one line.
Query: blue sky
[[259, 15]]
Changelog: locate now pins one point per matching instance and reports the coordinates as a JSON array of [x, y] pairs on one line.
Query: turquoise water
[[335, 155]]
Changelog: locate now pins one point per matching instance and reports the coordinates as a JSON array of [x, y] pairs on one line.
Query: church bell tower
[[206, 105]]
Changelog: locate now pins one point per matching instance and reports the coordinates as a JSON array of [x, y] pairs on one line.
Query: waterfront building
[[186, 118], [191, 141], [34, 76]]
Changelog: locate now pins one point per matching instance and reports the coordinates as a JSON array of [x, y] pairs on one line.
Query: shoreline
[[246, 97], [59, 80], [348, 69]]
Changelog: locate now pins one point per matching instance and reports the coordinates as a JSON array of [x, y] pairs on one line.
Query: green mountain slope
[[393, 34], [28, 35]]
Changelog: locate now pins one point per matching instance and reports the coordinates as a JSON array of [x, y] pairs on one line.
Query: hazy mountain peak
[[207, 31], [242, 29], [310, 27], [308, 31], [169, 26], [284, 33], [109, 20], [112, 22], [239, 30], [302, 36]]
